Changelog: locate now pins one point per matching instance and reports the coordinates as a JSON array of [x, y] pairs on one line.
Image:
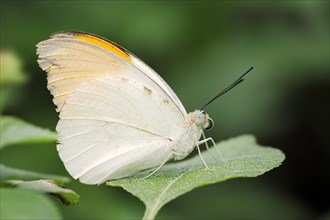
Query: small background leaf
[[243, 158], [15, 130], [67, 196], [12, 77], [9, 173], [23, 204]]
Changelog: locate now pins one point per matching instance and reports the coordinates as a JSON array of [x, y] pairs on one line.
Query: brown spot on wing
[[124, 79], [147, 90]]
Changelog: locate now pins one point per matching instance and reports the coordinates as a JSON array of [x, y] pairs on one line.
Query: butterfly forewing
[[71, 58]]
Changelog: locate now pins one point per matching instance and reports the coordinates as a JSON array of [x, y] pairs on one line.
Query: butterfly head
[[202, 119]]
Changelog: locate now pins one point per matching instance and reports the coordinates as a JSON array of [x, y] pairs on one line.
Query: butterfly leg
[[160, 166], [205, 140], [207, 146], [200, 154]]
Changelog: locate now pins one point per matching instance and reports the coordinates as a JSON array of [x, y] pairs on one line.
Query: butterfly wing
[[116, 114], [112, 127], [71, 58]]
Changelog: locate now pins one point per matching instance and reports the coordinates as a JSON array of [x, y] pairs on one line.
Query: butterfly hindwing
[[110, 118]]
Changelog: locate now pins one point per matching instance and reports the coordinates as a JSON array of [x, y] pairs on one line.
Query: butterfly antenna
[[235, 83]]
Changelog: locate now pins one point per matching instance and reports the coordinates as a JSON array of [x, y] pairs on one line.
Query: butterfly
[[117, 116]]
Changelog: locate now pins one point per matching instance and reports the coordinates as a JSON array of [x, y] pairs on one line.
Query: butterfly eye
[[210, 124]]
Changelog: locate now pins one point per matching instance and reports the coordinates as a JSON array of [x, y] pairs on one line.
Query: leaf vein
[[167, 188]]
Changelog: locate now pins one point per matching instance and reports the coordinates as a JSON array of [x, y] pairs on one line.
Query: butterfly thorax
[[186, 141]]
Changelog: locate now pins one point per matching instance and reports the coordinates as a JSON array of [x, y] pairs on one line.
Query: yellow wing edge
[[99, 41]]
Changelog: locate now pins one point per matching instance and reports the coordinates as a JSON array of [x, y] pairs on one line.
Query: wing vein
[[112, 121]]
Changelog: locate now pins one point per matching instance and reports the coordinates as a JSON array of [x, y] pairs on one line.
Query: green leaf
[[9, 173], [12, 76], [23, 204], [67, 196], [11, 68], [45, 183], [242, 158], [15, 130]]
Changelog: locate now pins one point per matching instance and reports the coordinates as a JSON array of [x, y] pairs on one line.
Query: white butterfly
[[117, 115]]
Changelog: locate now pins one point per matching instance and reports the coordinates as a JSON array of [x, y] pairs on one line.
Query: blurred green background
[[198, 48]]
